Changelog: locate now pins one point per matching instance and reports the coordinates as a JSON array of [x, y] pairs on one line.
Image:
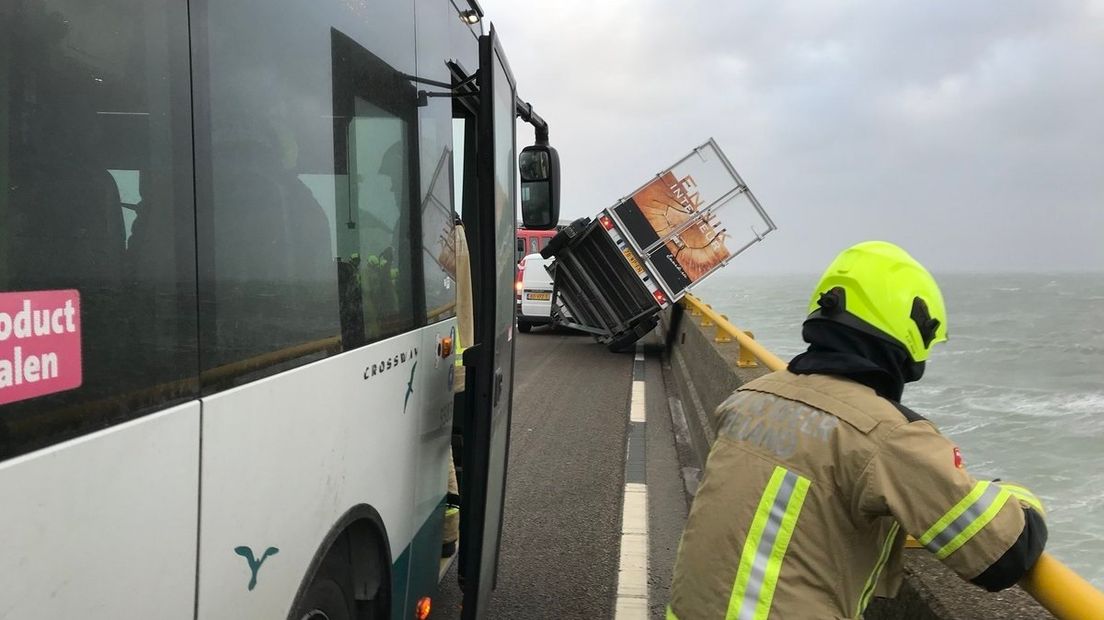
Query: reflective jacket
[[808, 492]]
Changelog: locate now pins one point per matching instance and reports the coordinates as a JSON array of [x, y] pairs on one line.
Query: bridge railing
[[1054, 585]]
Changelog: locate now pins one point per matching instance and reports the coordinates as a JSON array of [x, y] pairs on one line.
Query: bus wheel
[[325, 600], [351, 583]]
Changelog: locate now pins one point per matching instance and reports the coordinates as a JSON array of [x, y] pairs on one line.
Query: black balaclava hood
[[836, 349]]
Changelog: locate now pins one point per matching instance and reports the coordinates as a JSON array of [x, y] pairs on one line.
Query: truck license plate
[[629, 256], [539, 296]]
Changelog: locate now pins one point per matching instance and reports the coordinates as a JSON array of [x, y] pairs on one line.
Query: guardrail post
[[722, 333], [747, 359]]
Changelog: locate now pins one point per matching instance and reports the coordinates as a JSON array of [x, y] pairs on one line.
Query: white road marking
[[636, 409], [632, 572]]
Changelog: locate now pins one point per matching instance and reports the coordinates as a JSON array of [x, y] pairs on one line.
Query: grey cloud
[[969, 132]]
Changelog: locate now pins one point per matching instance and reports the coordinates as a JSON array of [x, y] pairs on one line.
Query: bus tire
[[350, 576], [325, 600]]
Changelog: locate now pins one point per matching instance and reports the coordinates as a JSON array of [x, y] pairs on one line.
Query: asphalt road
[[561, 531]]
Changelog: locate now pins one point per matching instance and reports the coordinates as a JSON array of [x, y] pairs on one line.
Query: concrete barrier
[[692, 353], [704, 373]]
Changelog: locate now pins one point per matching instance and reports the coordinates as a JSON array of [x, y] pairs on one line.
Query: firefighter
[[465, 334], [818, 471]]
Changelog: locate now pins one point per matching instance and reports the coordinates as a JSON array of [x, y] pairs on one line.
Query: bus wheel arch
[[352, 562]]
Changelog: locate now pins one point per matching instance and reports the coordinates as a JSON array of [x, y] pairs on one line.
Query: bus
[[228, 304]]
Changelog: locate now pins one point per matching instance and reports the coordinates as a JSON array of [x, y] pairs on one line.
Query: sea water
[[1019, 385]]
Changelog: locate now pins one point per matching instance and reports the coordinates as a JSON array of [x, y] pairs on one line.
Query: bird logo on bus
[[410, 386]]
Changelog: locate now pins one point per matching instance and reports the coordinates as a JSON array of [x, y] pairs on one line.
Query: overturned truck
[[613, 275]]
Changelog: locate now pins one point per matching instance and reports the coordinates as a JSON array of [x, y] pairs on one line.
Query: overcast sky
[[971, 133]]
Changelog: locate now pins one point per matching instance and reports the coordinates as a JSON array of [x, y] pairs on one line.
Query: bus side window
[[82, 120], [268, 284], [308, 240], [380, 235]]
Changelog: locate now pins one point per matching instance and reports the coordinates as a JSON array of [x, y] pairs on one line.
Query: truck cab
[[531, 241]]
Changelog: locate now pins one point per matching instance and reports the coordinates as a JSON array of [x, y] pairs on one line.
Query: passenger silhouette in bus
[[274, 279], [64, 224]]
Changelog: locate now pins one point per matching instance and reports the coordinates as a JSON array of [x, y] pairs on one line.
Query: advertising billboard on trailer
[[692, 218]]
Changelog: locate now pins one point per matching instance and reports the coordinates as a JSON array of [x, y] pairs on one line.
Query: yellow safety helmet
[[877, 288]]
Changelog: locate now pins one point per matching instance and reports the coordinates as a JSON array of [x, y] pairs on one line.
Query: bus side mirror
[[539, 165]]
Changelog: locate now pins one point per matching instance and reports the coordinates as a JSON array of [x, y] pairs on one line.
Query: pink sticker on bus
[[40, 343]]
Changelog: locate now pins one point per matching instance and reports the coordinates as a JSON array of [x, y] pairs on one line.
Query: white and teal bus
[[227, 293]]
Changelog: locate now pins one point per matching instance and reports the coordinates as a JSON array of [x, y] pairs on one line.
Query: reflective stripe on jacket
[[808, 492]]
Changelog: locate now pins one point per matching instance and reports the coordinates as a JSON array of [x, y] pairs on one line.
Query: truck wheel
[[624, 342], [525, 328]]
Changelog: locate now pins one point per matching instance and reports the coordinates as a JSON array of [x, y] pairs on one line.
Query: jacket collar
[[836, 349]]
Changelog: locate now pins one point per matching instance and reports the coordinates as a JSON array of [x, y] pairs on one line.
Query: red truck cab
[[532, 241]]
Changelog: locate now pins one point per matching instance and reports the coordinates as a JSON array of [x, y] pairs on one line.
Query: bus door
[[491, 222]]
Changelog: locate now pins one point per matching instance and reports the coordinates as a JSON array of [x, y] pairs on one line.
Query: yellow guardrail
[[1057, 587]]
